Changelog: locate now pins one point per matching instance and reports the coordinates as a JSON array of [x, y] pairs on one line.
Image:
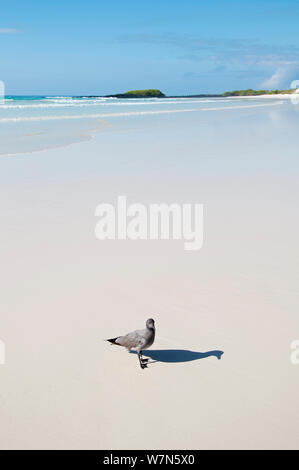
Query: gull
[[137, 340]]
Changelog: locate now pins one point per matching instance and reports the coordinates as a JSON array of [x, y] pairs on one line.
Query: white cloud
[[275, 64], [275, 80], [8, 31], [280, 77]]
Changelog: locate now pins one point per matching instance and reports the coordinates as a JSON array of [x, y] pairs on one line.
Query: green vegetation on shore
[[151, 93], [251, 92]]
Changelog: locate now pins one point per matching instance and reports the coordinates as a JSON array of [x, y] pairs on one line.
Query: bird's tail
[[112, 340]]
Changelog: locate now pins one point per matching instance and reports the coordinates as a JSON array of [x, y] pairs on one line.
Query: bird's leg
[[141, 361]]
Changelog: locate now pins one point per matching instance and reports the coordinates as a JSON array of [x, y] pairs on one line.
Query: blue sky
[[181, 47]]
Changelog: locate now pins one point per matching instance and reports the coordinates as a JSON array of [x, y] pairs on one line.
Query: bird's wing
[[132, 340]]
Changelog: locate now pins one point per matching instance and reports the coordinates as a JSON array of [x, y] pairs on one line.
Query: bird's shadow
[[178, 355]]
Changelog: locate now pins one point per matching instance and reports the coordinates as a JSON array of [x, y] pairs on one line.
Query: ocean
[[30, 123]]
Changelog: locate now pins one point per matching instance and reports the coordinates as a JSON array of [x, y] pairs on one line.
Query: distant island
[[251, 92], [151, 93]]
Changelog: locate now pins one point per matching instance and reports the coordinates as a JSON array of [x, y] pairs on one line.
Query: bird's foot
[[142, 361]]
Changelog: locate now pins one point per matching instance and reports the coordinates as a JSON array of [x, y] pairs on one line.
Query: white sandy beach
[[286, 96], [63, 291]]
